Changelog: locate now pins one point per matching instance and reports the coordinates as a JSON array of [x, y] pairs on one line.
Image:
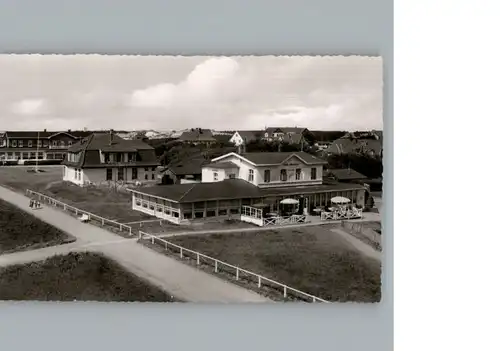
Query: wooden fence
[[237, 272], [65, 207]]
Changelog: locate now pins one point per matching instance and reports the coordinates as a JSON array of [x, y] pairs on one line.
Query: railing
[[294, 219], [252, 215], [58, 147], [218, 264], [339, 215], [56, 203]]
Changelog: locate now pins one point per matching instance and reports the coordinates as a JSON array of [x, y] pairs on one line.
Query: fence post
[[180, 253], [260, 282], [102, 222], [76, 212], [152, 239], [284, 290], [215, 266], [140, 235], [197, 258], [237, 273], [314, 299], [120, 227], [140, 224], [64, 207]]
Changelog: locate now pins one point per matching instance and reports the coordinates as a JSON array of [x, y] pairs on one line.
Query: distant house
[[280, 133], [198, 136], [241, 137], [41, 145], [345, 146], [106, 158]]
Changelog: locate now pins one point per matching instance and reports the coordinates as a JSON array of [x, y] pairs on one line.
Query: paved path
[[38, 254], [359, 245], [183, 281]]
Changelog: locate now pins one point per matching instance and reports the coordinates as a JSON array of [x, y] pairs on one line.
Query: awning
[[340, 200], [289, 202]]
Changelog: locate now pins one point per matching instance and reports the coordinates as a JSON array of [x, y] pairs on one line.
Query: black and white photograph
[[205, 179]]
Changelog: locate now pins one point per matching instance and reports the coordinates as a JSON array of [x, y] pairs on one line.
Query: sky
[[59, 92]]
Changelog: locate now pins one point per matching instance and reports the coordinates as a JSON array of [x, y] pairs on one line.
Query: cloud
[[173, 92], [209, 82], [30, 107]]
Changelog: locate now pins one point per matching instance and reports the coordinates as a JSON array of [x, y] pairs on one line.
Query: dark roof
[[222, 138], [346, 174], [91, 146], [250, 135], [222, 165], [223, 190], [197, 135], [191, 166], [276, 158], [234, 189]]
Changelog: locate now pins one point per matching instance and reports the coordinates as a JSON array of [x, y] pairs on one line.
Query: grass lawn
[[105, 202], [312, 259], [20, 231], [76, 276]]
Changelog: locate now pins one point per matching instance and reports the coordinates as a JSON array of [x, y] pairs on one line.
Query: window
[[106, 158], [266, 135], [145, 175], [250, 175], [313, 173], [118, 157], [283, 175], [120, 173], [20, 143], [70, 143], [267, 176], [14, 143], [298, 174], [30, 143], [39, 143], [232, 176], [146, 169], [54, 143], [62, 143], [45, 143], [131, 157], [152, 175], [109, 174], [216, 176], [134, 173]]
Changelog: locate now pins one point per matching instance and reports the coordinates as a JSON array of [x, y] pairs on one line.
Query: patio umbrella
[[289, 202], [340, 200]]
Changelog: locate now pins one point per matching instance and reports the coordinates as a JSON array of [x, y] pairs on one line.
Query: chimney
[[110, 136], [69, 130], [45, 130]]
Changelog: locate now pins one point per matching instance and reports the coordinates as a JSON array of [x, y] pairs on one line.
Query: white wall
[[236, 139], [98, 175], [241, 172], [207, 173]]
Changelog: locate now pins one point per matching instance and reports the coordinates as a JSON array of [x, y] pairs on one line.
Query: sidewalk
[[181, 280]]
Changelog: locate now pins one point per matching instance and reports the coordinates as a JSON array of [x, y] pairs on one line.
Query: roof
[[250, 135], [91, 146], [193, 166], [346, 174], [276, 158], [222, 165], [223, 190], [232, 189], [197, 135]]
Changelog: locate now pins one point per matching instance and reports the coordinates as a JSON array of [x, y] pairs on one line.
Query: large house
[[198, 136], [241, 137], [41, 145], [234, 180], [106, 158]]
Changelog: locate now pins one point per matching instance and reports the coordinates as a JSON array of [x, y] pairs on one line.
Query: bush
[[9, 163], [42, 162]]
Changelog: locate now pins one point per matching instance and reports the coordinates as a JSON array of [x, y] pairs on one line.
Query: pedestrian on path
[[31, 203]]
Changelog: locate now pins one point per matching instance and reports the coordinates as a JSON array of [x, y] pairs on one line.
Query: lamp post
[[37, 148]]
